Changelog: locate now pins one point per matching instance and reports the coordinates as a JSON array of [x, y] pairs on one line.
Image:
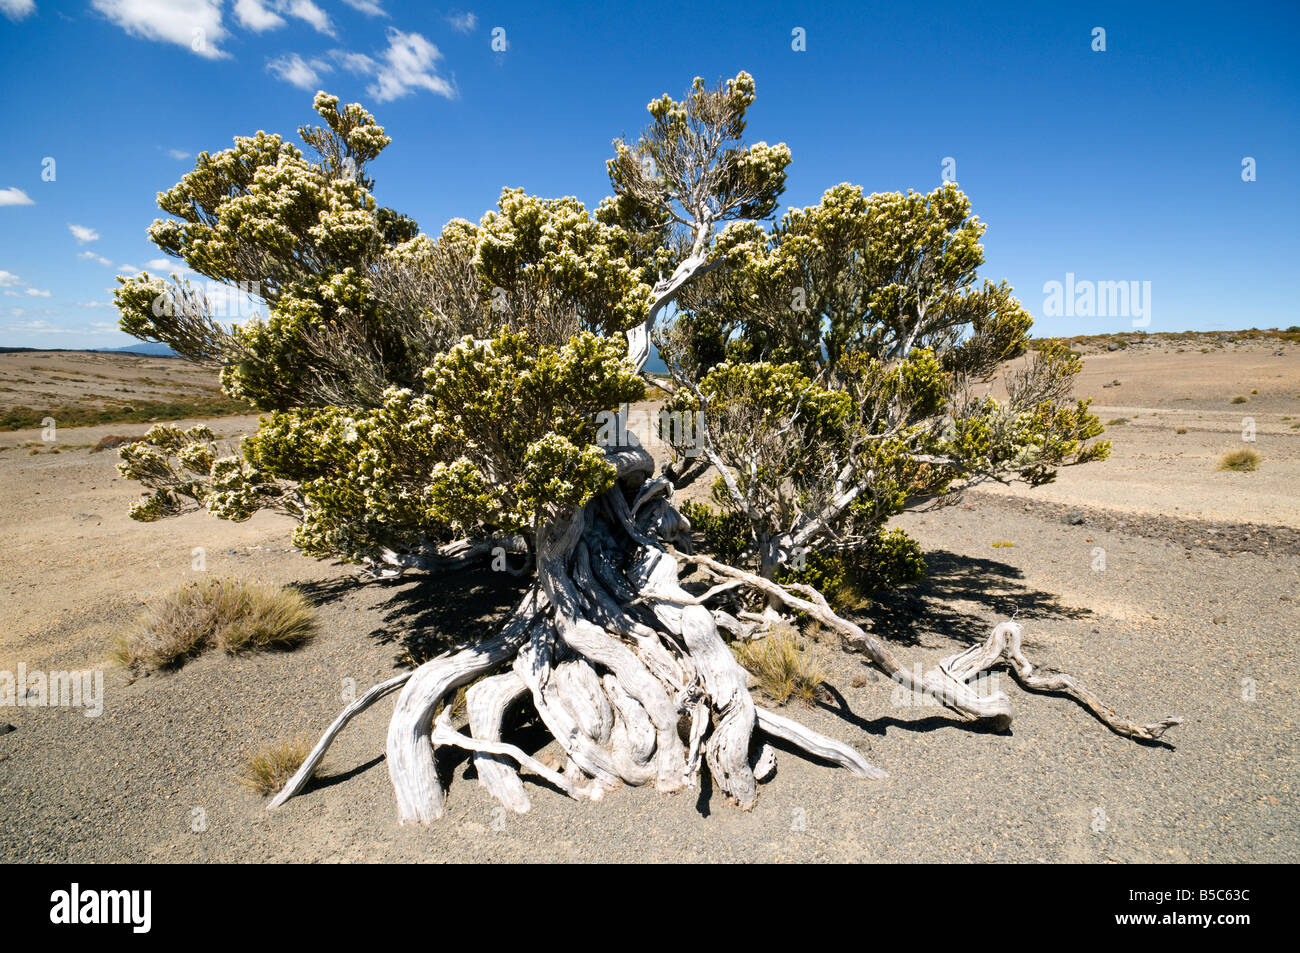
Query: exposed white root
[[954, 694], [1004, 644], [487, 702], [411, 765], [724, 681], [533, 665], [313, 760], [445, 734], [615, 653], [828, 749]]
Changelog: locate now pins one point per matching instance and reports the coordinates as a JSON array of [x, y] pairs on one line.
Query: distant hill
[[147, 348], [144, 347]]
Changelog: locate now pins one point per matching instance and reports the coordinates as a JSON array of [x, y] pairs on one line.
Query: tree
[[431, 402], [834, 363]]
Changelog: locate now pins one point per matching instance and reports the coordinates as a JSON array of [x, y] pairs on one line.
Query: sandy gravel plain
[[1195, 614]]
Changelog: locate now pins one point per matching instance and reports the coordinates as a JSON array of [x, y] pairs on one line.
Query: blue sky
[[1122, 165]]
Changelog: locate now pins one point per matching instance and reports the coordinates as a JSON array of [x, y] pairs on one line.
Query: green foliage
[[420, 389], [847, 577], [724, 533]]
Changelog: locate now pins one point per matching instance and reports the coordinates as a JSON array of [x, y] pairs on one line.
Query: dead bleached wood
[[487, 702], [410, 755], [828, 749], [1004, 644], [445, 734], [954, 694], [313, 760]]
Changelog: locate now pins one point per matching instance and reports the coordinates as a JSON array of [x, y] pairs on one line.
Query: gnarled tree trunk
[[615, 655]]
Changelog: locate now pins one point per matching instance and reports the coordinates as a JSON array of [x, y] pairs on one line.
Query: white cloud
[[37, 293], [462, 22], [91, 256], [370, 7], [193, 24], [12, 196], [165, 264], [179, 153], [130, 269], [407, 65], [254, 15], [95, 304], [17, 9], [8, 278], [83, 234], [308, 11], [294, 69], [262, 15], [44, 327]]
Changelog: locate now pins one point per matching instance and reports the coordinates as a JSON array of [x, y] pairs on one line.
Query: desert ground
[[1194, 614]]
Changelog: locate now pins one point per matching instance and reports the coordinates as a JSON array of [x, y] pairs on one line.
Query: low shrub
[[229, 614], [781, 666], [1241, 460], [267, 769]]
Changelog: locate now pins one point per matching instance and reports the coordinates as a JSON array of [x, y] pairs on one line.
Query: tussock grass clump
[[1117, 421], [266, 769], [1241, 460], [1240, 399], [230, 614], [1180, 430], [783, 669]]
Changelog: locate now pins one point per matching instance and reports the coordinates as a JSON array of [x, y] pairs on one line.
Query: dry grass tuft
[[1239, 399], [267, 769], [229, 614], [1242, 461], [783, 669]]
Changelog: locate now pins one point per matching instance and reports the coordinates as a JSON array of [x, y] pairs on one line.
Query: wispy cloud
[[12, 196], [97, 328], [8, 279], [17, 9], [301, 73], [370, 7], [262, 15], [179, 153], [193, 24], [462, 22], [308, 11], [91, 256], [257, 16], [37, 293], [165, 264], [407, 65], [83, 235]]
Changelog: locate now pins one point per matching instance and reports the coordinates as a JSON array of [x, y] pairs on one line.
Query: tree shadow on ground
[[328, 590], [956, 599], [428, 615]]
